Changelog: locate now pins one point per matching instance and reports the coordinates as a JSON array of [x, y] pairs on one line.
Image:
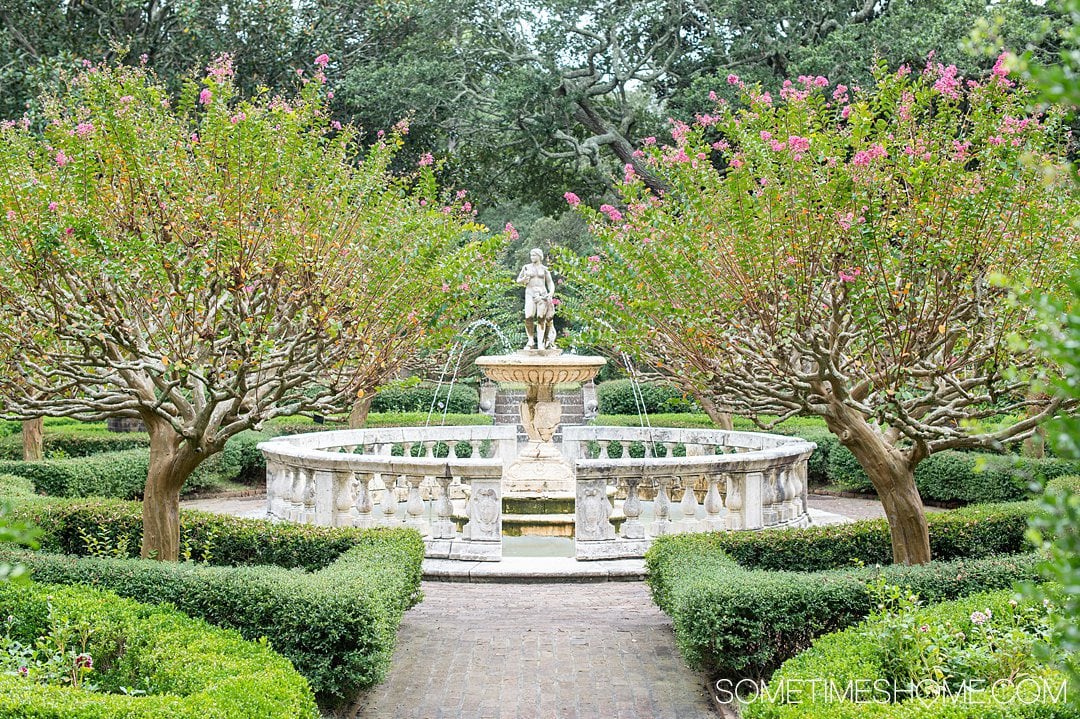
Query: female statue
[[539, 302]]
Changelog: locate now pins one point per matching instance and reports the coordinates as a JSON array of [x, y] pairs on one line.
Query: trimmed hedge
[[460, 399], [194, 671], [975, 531], [735, 622], [617, 397], [336, 622], [960, 476], [850, 656], [76, 441], [123, 474]]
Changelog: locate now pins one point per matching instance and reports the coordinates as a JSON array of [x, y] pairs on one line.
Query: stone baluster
[[443, 526], [771, 498], [603, 449], [350, 449], [736, 508], [475, 446], [714, 504], [364, 517], [429, 449], [389, 501], [414, 506], [688, 505], [632, 528], [343, 488], [451, 449], [662, 507], [799, 486], [277, 488], [308, 512], [296, 496], [787, 476]]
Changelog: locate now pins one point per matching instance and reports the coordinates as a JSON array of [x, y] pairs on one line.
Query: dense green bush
[[460, 399], [123, 474], [735, 622], [188, 669], [617, 397], [960, 476], [331, 605], [975, 531], [853, 655], [76, 441]]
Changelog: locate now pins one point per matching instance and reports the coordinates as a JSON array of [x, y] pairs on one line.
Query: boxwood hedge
[[76, 441], [960, 476], [460, 399], [849, 656], [123, 474], [735, 622], [617, 396], [331, 604], [189, 669]]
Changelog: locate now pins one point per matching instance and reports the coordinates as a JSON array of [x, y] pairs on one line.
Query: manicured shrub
[[12, 486], [734, 622], [976, 531], [189, 669], [123, 474], [75, 441], [617, 397], [460, 399], [855, 655], [331, 604], [960, 476]]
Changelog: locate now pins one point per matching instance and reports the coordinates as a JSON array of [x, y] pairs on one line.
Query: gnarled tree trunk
[[719, 417], [172, 460], [893, 477], [33, 439], [360, 409]]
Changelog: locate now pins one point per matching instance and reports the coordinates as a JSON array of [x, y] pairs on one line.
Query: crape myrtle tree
[[834, 251], [209, 263]]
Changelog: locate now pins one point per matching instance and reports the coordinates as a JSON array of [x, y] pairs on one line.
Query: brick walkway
[[543, 651]]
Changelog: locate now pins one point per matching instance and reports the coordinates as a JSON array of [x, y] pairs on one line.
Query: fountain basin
[[540, 367]]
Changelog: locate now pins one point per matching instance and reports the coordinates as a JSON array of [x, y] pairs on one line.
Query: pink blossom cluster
[[511, 231], [847, 219], [798, 145], [679, 131], [206, 97], [840, 94], [613, 214], [62, 160], [322, 60], [863, 158], [594, 263], [960, 150], [1000, 71], [571, 199], [721, 145], [426, 159], [221, 69], [849, 275], [948, 81], [628, 174]]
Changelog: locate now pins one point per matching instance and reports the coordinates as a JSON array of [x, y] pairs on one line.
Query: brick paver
[[537, 651]]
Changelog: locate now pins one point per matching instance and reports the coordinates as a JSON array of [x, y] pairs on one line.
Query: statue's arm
[[523, 276], [549, 283]]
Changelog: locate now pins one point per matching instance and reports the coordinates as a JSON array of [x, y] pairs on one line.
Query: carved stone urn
[[540, 469]]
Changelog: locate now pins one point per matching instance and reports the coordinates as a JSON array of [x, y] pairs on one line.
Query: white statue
[[539, 302]]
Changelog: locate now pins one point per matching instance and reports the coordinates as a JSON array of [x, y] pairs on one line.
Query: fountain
[[728, 481]]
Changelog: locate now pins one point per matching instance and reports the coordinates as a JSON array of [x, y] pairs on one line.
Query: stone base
[[539, 471], [463, 549], [616, 549]]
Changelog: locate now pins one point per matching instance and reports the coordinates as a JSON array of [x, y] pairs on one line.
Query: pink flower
[[571, 199], [460, 194], [24, 672], [766, 135], [322, 60], [790, 259], [798, 144], [863, 158], [335, 125], [84, 128], [737, 163], [238, 117], [840, 93], [846, 277], [144, 58], [996, 140], [721, 145], [1001, 70], [594, 263], [947, 83], [330, 95], [903, 71], [206, 97], [426, 159], [845, 220], [628, 174], [712, 95], [679, 130], [511, 231], [467, 207], [464, 287], [777, 146], [221, 68], [924, 628], [69, 231], [611, 212], [126, 100], [445, 287], [733, 79], [53, 206], [820, 81], [11, 215], [978, 617], [649, 141], [62, 160], [846, 112], [402, 126]]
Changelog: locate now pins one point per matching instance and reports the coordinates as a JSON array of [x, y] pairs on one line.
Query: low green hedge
[[123, 474], [734, 622], [850, 658], [76, 441], [617, 397], [460, 399], [193, 670], [959, 476], [332, 604], [975, 531]]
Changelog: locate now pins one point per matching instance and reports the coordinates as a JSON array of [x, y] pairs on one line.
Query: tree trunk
[[893, 477], [33, 439], [719, 417], [172, 460], [360, 409]]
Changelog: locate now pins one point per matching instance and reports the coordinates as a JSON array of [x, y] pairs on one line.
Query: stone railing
[[336, 479], [747, 480]]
